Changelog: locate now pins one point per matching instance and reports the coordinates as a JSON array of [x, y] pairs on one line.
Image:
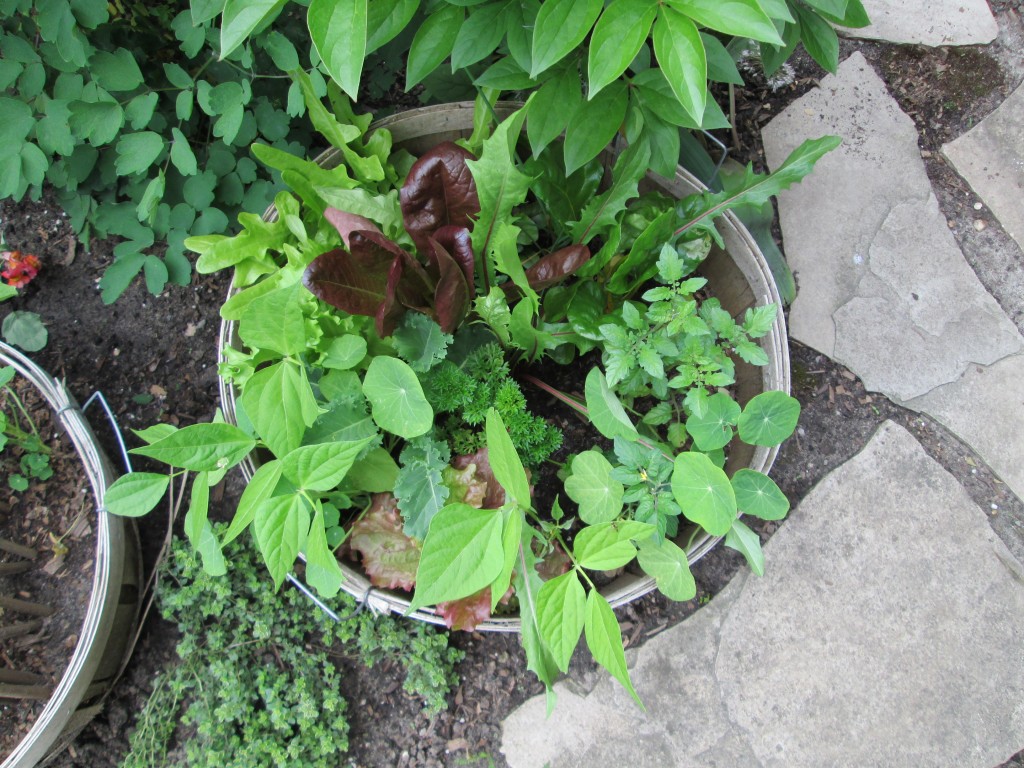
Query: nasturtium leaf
[[461, 555], [561, 612], [561, 25], [136, 493], [704, 493], [322, 570], [769, 418], [618, 36], [505, 462], [606, 546], [281, 525], [338, 29], [322, 466], [240, 18], [743, 18], [280, 405], [592, 487], [759, 496], [680, 52], [24, 329], [667, 564], [604, 409], [605, 641], [345, 352], [257, 490], [594, 125], [396, 398], [432, 43], [200, 447], [747, 543], [137, 151], [713, 428]]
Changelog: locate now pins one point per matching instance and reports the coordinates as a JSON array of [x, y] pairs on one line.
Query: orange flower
[[20, 269]]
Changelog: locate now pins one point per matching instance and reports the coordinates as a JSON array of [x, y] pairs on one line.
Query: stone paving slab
[[990, 157], [880, 276], [888, 630], [929, 22]]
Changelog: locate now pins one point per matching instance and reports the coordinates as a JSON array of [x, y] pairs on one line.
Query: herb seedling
[[19, 435]]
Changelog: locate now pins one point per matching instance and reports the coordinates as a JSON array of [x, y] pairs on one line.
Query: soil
[[154, 359], [53, 518]]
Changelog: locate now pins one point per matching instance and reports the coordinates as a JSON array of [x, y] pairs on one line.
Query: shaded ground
[[155, 358]]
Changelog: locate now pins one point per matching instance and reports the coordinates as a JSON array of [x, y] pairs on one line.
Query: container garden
[[112, 602], [378, 385]]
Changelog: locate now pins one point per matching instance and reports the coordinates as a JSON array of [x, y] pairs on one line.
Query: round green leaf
[[592, 487], [668, 565], [135, 494], [769, 418], [396, 398], [713, 429], [704, 493], [758, 495], [25, 330]]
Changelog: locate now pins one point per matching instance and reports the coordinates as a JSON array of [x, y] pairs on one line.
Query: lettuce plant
[[387, 319]]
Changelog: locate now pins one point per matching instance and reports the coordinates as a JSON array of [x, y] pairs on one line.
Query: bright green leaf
[[618, 36], [769, 418], [135, 494], [742, 18], [240, 18], [748, 543], [322, 570], [759, 496], [396, 398], [561, 612], [281, 525], [594, 125], [338, 29], [322, 466], [257, 490], [200, 447], [505, 462], [591, 486], [667, 564], [604, 409], [680, 52], [606, 546], [713, 428], [280, 405], [561, 25], [605, 641]]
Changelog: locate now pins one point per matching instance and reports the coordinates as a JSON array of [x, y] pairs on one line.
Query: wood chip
[[157, 391], [848, 376], [55, 564], [865, 400], [831, 395], [841, 390], [454, 745]]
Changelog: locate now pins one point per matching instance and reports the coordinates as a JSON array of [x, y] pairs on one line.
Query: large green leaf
[[200, 447], [386, 19], [769, 418], [461, 555], [618, 36], [818, 37], [281, 525], [606, 546], [322, 570], [322, 466], [137, 151], [561, 25], [241, 17], [605, 641], [555, 102], [257, 491], [742, 18], [338, 29], [592, 487], [747, 543], [594, 125], [396, 398], [115, 70], [713, 428], [136, 493], [667, 564], [539, 659], [604, 409], [758, 495], [433, 43], [680, 52], [704, 493], [198, 514], [280, 404], [561, 612], [479, 35], [275, 321], [511, 535], [505, 462]]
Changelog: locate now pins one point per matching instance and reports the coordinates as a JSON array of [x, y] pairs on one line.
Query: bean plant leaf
[[274, 321], [592, 487], [321, 467], [210, 551], [505, 462], [528, 584], [605, 411], [201, 447], [136, 493], [747, 543], [375, 472], [561, 612], [511, 535], [338, 29], [704, 493], [461, 555], [322, 570], [712, 429], [396, 398], [281, 525], [759, 496], [606, 546], [604, 639], [280, 404], [257, 491], [769, 418], [198, 514], [667, 564], [561, 25]]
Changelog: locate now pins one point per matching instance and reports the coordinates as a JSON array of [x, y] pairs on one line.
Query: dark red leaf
[[354, 282], [467, 612], [495, 495], [457, 241], [557, 266], [390, 558], [451, 296], [554, 563], [346, 223], [438, 191], [408, 287]]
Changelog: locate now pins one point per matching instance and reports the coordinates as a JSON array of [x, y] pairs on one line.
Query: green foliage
[[23, 453], [256, 679], [141, 125], [25, 330]]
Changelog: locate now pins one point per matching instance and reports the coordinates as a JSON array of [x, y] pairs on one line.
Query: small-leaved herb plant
[[387, 319], [23, 453]]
